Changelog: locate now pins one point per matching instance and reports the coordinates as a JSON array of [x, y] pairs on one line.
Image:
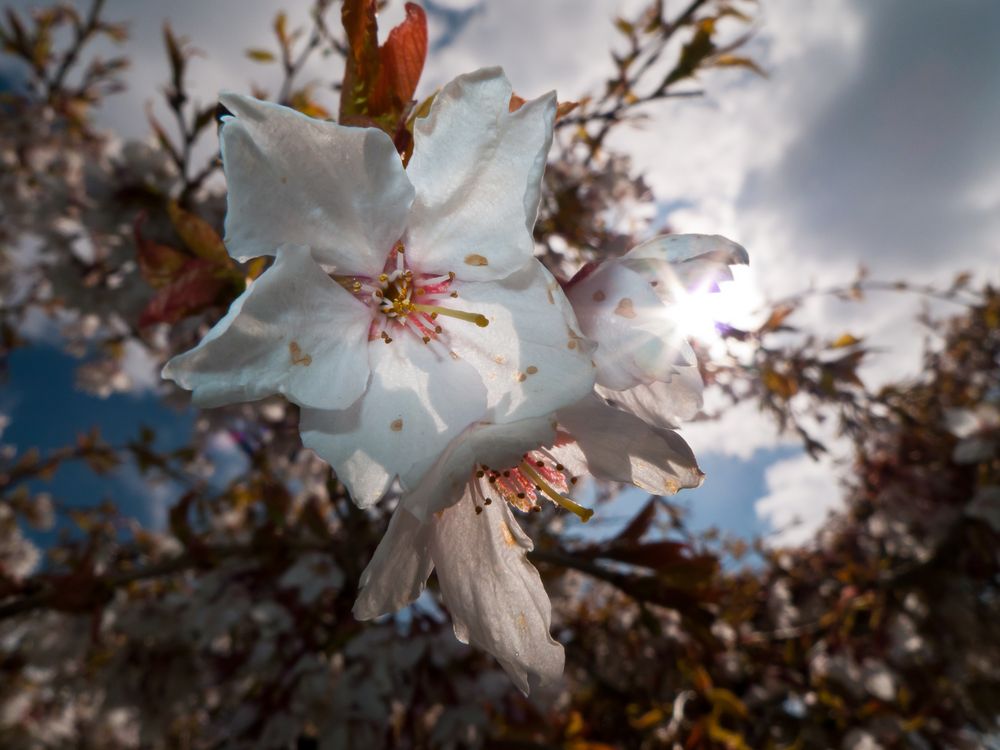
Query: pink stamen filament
[[403, 298]]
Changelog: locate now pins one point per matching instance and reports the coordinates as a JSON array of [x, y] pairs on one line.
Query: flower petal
[[622, 448], [419, 398], [637, 339], [661, 404], [694, 261], [477, 169], [493, 445], [494, 594], [398, 571], [295, 179], [531, 356], [276, 339]]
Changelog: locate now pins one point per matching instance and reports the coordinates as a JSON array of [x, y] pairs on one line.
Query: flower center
[[539, 474], [407, 300]]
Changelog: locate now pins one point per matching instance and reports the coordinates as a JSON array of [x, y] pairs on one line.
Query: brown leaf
[[303, 101], [281, 29], [777, 318], [845, 340], [562, 108], [256, 267], [261, 55], [737, 61], [175, 52], [161, 135], [780, 384], [727, 701], [198, 235], [693, 54]]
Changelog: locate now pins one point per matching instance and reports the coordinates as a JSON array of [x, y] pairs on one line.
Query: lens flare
[[700, 312]]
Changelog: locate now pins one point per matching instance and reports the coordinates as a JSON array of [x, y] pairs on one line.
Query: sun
[[699, 312]]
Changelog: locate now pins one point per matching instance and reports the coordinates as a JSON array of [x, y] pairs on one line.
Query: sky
[[872, 140]]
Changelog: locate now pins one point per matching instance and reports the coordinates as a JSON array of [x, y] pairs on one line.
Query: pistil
[[433, 310], [562, 501]]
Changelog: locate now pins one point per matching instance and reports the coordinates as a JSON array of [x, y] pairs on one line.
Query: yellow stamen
[[480, 320], [348, 284], [584, 514]]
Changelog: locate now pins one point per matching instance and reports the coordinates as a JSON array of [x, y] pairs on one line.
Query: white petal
[[621, 447], [531, 356], [637, 339], [294, 331], [398, 571], [695, 261], [498, 446], [419, 398], [295, 179], [477, 169], [662, 404], [494, 594]]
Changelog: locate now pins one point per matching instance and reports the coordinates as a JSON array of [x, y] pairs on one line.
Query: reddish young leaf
[[654, 555], [379, 82], [196, 287], [401, 63], [362, 64], [640, 523], [158, 263]]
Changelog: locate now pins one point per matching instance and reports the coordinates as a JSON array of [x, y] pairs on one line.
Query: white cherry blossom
[[403, 304], [628, 307], [459, 521]]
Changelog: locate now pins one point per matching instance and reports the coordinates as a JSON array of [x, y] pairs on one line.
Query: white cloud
[[534, 43], [739, 432], [141, 368], [801, 495]]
